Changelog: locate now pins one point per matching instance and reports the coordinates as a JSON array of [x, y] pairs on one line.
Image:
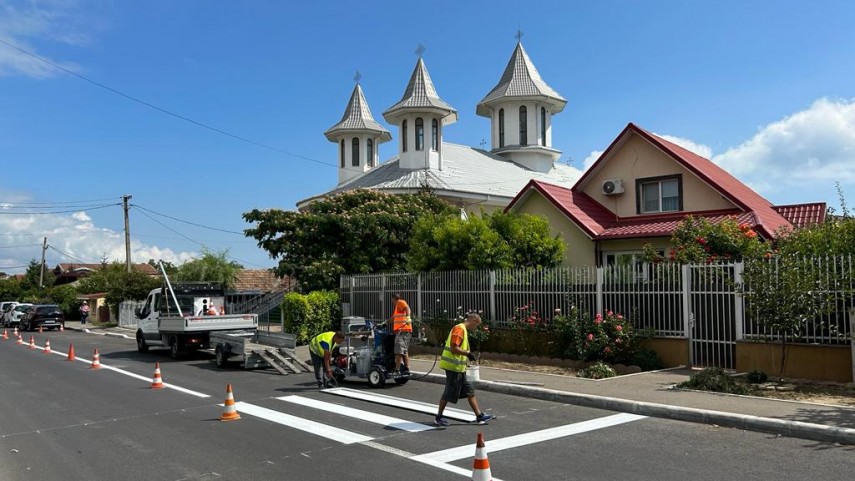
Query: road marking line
[[436, 464], [395, 423], [462, 452], [402, 403], [330, 432], [137, 376]]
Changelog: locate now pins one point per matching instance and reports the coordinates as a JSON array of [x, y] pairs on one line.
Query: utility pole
[[125, 199], [42, 270]]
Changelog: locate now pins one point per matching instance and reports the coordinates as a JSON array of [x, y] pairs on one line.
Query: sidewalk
[[648, 394]]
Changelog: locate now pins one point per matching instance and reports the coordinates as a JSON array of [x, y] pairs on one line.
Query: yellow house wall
[[821, 363], [578, 247], [637, 158], [672, 352]]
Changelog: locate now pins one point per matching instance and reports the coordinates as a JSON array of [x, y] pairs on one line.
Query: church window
[[341, 153], [434, 133], [370, 145], [404, 135], [523, 126], [420, 134], [543, 126], [501, 128], [355, 154]]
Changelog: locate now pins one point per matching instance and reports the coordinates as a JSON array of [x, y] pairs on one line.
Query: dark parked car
[[48, 316]]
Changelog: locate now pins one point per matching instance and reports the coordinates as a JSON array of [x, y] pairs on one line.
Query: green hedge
[[307, 315]]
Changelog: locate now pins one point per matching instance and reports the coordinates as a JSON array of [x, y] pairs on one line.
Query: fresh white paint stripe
[[404, 454], [462, 452], [330, 432], [402, 403], [136, 376], [360, 414]]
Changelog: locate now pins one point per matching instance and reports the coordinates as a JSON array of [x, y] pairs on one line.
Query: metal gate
[[713, 313]]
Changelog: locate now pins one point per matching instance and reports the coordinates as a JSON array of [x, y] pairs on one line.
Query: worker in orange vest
[[402, 327]]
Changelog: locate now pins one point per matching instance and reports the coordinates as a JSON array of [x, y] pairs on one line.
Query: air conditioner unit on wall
[[613, 187]]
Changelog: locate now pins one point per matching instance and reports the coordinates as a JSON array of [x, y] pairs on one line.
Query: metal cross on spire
[[519, 35], [420, 50], [357, 76]]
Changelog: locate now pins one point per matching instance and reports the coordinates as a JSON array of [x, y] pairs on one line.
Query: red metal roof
[[803, 215]]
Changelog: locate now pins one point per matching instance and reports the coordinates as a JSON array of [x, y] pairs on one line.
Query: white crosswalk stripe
[[408, 404], [360, 414], [330, 432]]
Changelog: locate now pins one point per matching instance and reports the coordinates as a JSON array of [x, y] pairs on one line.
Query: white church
[[520, 108]]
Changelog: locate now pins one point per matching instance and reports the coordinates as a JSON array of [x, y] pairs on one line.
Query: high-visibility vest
[[315, 345], [400, 320], [455, 362]]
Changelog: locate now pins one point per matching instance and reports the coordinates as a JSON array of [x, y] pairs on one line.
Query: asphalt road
[[62, 420]]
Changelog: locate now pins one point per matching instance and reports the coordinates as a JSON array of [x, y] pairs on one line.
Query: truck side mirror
[[138, 312]]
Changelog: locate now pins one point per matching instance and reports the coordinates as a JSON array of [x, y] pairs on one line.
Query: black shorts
[[456, 387]]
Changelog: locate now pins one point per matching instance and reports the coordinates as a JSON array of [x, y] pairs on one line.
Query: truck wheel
[[376, 377], [221, 358], [141, 344], [174, 347]]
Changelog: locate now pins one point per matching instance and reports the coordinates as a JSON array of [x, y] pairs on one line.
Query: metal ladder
[[285, 365]]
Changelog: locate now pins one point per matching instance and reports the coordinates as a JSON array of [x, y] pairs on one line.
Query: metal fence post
[[601, 279], [492, 295], [738, 311], [383, 315], [687, 308], [419, 310]]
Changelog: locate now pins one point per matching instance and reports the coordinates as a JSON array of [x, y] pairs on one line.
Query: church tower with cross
[[420, 116], [358, 136], [520, 108]]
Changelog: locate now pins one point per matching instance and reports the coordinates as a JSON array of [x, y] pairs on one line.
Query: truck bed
[[178, 324]]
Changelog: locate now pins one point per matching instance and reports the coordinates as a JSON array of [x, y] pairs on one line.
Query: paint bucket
[[473, 373]]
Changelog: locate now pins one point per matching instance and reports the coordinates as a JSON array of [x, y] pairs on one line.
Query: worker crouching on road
[[320, 348], [454, 356], [402, 327]]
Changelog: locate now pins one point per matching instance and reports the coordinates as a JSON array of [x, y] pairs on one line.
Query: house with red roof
[[639, 190]]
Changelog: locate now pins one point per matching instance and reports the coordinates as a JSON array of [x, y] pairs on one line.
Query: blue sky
[[764, 89]]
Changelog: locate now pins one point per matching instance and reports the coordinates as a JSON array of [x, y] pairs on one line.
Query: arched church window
[[543, 126], [434, 134], [341, 153], [523, 126], [420, 134], [355, 153], [370, 145], [501, 128], [404, 135]]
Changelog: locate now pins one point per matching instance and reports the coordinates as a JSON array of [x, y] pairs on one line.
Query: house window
[[523, 126], [370, 145], [661, 194], [626, 266], [543, 126], [355, 152], [404, 135], [501, 128], [434, 133], [341, 153], [420, 134]]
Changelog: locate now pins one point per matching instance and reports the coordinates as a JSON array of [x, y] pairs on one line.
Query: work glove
[[472, 357]]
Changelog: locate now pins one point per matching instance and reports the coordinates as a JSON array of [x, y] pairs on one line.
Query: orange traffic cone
[[5, 335], [47, 347], [229, 411], [62, 328], [70, 352], [15, 333], [40, 329], [157, 382], [32, 342], [96, 360], [20, 340], [481, 467]]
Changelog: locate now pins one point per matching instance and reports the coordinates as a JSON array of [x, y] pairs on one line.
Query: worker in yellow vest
[[320, 349], [453, 361], [402, 327]]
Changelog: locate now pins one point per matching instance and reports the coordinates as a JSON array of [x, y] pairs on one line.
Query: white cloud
[[25, 23], [700, 149], [591, 158]]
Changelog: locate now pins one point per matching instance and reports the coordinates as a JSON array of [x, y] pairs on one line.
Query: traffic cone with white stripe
[[62, 327], [5, 335], [41, 330], [229, 411], [15, 333], [157, 382], [32, 342], [70, 353], [20, 340], [47, 347], [481, 467], [96, 360]]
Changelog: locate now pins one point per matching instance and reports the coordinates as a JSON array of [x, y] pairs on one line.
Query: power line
[[23, 245], [2, 212], [12, 267], [162, 110], [187, 222], [70, 256], [60, 202]]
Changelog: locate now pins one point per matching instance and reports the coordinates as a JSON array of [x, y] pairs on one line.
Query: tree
[[211, 267], [497, 241], [118, 284], [354, 232], [169, 267]]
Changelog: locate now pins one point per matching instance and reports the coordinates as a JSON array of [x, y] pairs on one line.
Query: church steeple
[[358, 136], [521, 107], [420, 116]]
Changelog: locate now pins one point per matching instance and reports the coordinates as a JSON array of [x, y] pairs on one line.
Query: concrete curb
[[796, 429]]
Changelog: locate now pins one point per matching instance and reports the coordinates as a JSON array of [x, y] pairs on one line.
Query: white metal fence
[[700, 303], [127, 318]]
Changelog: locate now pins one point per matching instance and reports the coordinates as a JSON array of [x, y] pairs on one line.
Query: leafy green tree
[[65, 296], [211, 267], [10, 289], [32, 276], [697, 240], [834, 237], [118, 284], [354, 232], [169, 267], [497, 241]]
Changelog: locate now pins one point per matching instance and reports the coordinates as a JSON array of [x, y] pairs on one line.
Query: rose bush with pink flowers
[[608, 338]]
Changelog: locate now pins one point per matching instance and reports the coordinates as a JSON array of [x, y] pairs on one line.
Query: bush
[[307, 315], [646, 359], [757, 377], [610, 338], [599, 370], [716, 380]]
